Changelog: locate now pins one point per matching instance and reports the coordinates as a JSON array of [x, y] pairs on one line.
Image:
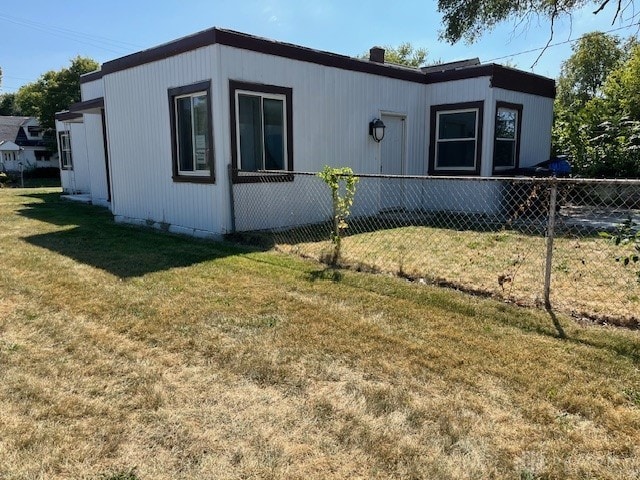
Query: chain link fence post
[[551, 223]]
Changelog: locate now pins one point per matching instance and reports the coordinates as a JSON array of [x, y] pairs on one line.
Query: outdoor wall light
[[376, 129]]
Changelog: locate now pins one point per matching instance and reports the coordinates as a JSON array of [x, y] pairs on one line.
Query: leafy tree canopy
[[594, 56], [404, 54], [597, 110], [469, 19], [8, 104], [53, 91]]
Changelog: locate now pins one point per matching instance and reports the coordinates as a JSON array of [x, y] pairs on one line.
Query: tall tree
[[54, 91], [468, 19], [8, 104], [404, 54], [597, 110], [595, 55]]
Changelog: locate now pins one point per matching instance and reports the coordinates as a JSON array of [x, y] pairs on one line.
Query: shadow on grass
[[90, 236], [627, 347]]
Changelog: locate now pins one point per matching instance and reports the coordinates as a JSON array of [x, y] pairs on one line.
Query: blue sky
[[48, 34]]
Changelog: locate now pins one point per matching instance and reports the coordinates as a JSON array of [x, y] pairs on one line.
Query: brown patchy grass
[[586, 278], [130, 354]]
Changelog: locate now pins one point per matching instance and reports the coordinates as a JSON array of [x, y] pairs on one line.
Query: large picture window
[[456, 132], [506, 150], [64, 142], [191, 133], [261, 118]]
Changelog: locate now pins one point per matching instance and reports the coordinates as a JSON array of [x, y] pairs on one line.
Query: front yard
[[126, 353]]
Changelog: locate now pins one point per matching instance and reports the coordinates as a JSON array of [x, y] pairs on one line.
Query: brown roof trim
[[166, 50], [304, 54], [67, 116], [260, 45], [525, 82], [501, 77], [81, 107], [91, 76]]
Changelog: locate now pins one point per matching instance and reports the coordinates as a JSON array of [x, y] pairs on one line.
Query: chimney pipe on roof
[[376, 54]]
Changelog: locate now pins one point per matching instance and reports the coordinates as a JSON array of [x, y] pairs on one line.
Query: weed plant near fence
[[527, 240]]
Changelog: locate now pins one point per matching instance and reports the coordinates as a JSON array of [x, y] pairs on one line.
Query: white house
[[22, 145], [156, 131]]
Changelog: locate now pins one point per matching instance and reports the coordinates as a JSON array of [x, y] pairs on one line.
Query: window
[[64, 141], [506, 150], [456, 138], [191, 133], [42, 155], [261, 137]]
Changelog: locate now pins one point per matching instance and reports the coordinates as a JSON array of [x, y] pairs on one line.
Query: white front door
[[392, 161]]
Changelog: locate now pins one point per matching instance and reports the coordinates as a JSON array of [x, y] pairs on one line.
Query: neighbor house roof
[[501, 77], [12, 129]]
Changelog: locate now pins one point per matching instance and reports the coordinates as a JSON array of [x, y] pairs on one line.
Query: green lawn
[[126, 353]]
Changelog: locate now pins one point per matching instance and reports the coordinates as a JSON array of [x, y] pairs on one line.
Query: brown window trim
[[60, 153], [260, 88], [518, 108], [432, 142], [186, 90]]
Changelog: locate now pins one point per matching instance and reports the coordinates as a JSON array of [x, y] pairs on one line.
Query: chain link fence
[[527, 240]]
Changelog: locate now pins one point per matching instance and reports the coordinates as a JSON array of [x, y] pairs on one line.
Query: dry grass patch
[[586, 278], [127, 354]]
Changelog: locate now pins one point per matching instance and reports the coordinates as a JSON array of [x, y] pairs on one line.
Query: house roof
[[8, 146], [77, 109], [12, 130], [501, 77]]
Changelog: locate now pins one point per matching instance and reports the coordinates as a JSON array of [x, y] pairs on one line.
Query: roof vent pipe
[[376, 54]]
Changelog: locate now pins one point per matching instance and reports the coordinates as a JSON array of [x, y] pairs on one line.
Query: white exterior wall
[[76, 180], [331, 112], [537, 120], [139, 132], [91, 90], [332, 109], [535, 143], [95, 157]]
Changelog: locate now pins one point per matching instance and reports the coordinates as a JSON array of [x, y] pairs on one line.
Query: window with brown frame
[[191, 133], [506, 150], [456, 139], [261, 131]]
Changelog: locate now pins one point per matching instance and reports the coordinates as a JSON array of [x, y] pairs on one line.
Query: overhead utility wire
[[557, 43], [112, 41], [94, 41]]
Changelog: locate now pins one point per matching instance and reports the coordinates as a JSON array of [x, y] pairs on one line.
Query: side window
[[64, 142], [262, 137], [456, 139], [506, 150], [191, 133]]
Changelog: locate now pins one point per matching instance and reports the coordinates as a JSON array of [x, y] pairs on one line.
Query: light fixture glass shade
[[376, 129]]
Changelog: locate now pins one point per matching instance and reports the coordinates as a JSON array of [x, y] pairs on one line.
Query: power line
[[103, 43], [557, 43]]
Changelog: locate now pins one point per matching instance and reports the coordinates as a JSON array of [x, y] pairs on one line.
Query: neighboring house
[[156, 130], [22, 145]]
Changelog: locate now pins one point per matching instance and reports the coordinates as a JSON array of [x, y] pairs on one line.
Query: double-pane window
[[457, 140]]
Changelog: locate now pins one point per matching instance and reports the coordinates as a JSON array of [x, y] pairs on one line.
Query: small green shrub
[[335, 178]]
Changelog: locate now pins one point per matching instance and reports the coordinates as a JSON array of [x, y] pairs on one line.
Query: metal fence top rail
[[522, 179]]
